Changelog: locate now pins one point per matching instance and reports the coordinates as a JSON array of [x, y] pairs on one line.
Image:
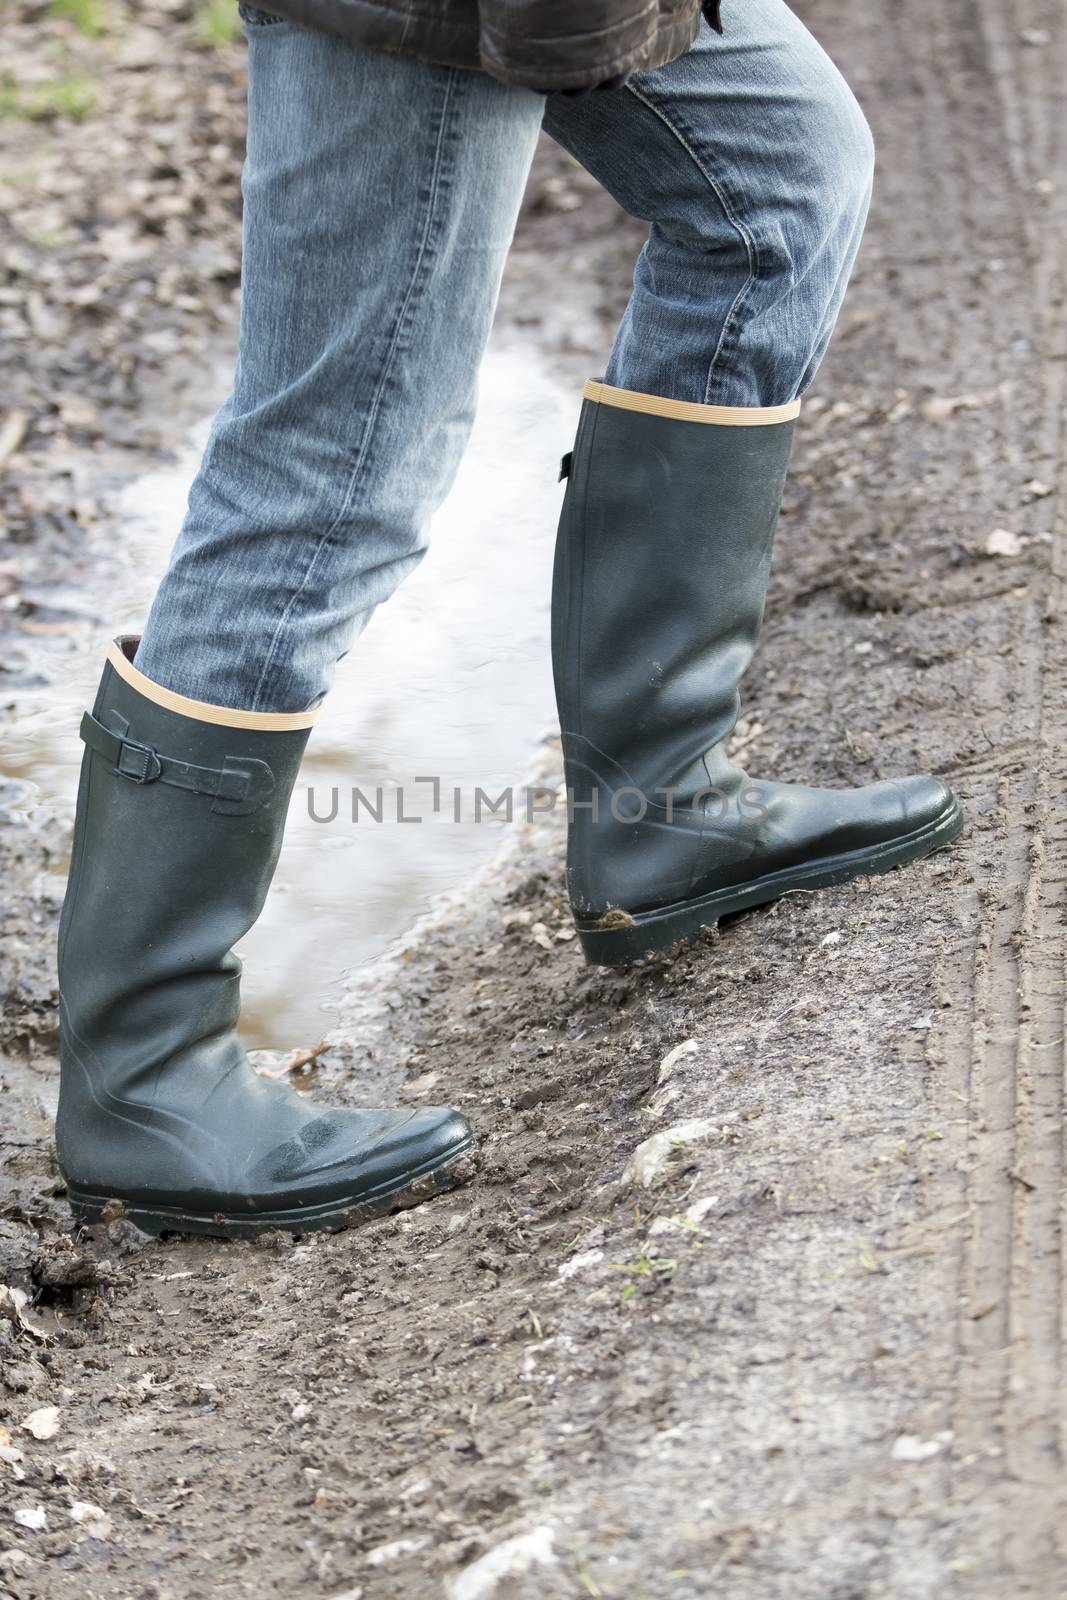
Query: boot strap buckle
[[239, 787], [138, 762]]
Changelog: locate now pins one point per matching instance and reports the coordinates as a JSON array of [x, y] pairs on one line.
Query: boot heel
[[618, 939]]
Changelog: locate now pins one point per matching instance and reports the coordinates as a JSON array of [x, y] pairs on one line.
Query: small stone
[[690, 1219], [579, 1263], [384, 1553], [1002, 542], [14, 1560], [908, 1447]]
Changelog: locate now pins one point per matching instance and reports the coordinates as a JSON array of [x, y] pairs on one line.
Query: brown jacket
[[539, 44]]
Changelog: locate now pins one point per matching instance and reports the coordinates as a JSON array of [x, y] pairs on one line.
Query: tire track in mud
[[964, 187], [1003, 1057]]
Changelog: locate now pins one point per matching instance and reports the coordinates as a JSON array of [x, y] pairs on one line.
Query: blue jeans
[[381, 195]]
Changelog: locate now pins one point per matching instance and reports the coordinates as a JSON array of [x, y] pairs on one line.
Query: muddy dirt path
[[818, 1356]]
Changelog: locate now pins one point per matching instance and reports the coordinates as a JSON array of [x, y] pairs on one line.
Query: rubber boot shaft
[[178, 829]]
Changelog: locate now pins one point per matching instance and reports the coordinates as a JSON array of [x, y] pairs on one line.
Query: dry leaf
[[13, 1303], [688, 1047], [941, 407], [42, 1423], [94, 1519]]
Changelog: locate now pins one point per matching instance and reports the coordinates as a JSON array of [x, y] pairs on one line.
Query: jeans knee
[[841, 148], [856, 157]]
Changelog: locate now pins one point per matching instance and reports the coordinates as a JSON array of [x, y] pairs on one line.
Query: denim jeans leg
[[752, 162], [381, 195]]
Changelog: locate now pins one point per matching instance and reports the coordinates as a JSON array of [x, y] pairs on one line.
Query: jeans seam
[[399, 325], [745, 234]]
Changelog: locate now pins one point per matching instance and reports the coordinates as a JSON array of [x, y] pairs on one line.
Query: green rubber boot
[[181, 811], [662, 563]]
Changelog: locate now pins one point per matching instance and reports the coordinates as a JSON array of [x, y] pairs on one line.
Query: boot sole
[[411, 1189], [621, 941]]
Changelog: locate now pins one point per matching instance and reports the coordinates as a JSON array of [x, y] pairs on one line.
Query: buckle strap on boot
[[240, 786]]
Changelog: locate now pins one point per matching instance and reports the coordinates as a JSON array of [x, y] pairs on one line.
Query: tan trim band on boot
[[688, 411], [118, 654]]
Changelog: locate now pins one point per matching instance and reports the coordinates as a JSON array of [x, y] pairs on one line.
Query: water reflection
[[451, 680]]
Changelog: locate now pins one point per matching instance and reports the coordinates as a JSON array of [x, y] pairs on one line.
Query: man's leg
[[380, 199], [752, 162], [381, 196]]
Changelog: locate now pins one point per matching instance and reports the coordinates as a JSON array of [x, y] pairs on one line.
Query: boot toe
[[431, 1136], [882, 812], [924, 800], [812, 823], [362, 1153]]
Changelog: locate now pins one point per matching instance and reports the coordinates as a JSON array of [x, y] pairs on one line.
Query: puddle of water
[[452, 679]]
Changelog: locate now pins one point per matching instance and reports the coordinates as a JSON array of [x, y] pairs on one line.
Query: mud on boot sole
[[457, 1168]]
